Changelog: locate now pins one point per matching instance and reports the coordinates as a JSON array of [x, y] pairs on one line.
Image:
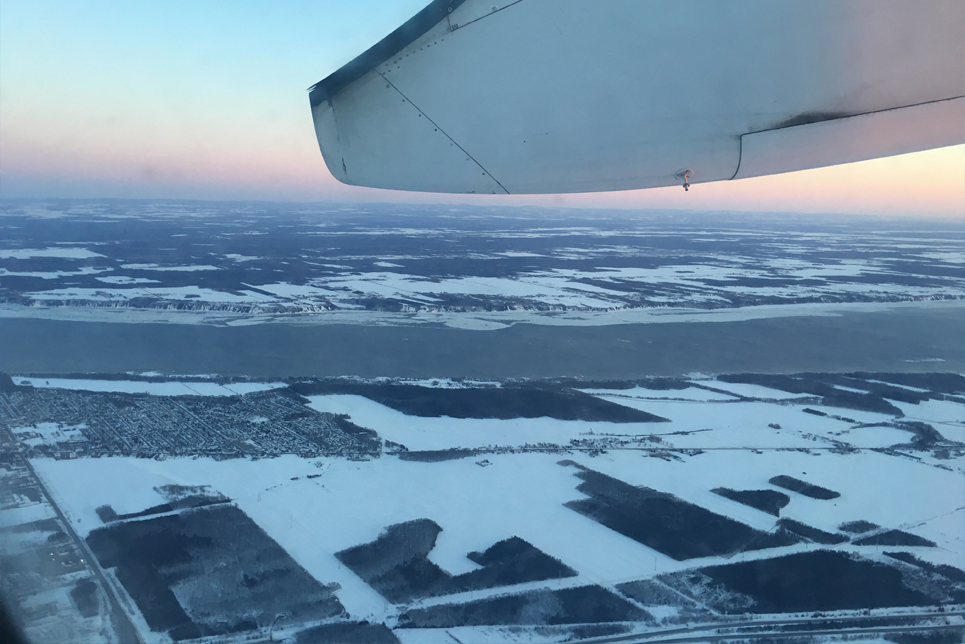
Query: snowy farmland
[[470, 267], [732, 498], [714, 476], [162, 388]]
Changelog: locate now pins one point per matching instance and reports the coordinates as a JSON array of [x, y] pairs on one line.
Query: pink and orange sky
[[208, 100]]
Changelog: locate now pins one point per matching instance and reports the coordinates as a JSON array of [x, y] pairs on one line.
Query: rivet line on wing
[[436, 125]]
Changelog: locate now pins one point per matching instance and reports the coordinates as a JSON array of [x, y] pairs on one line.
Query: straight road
[[126, 633], [686, 635]]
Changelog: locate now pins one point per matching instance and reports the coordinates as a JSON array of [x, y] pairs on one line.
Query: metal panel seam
[[381, 51], [458, 27], [436, 125]]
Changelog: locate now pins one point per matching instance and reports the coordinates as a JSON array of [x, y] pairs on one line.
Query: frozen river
[[926, 338]]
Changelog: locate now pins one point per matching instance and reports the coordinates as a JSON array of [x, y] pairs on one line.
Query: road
[[126, 633], [687, 634]]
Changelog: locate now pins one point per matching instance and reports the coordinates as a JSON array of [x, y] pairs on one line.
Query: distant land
[[420, 291], [256, 262]]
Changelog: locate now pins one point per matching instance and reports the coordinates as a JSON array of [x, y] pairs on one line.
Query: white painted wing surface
[[553, 96]]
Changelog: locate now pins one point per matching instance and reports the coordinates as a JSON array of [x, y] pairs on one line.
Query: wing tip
[[411, 30]]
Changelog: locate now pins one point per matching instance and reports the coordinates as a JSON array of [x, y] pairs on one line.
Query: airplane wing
[[554, 96]]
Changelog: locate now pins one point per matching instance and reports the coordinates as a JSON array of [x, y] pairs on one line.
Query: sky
[[208, 100]]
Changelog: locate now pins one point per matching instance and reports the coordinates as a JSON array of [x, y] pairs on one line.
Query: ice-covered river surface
[[919, 336]]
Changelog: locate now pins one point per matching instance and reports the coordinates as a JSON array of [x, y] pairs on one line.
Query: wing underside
[[553, 96]]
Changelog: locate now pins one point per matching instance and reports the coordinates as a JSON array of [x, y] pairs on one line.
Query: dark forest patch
[[666, 523], [650, 592], [397, 566], [950, 572], [107, 513], [437, 455], [582, 605], [858, 527], [84, 596], [861, 402], [884, 390], [925, 435], [485, 402], [894, 538], [7, 385], [770, 501], [587, 631], [58, 537], [511, 561], [811, 581], [823, 385], [953, 635], [208, 571], [810, 532], [878, 387], [945, 383], [653, 383], [803, 487], [347, 633]]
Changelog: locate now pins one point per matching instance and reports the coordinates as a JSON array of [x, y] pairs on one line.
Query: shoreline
[[472, 321]]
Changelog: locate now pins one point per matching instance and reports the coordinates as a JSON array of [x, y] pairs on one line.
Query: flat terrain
[[416, 510], [414, 424], [276, 260]]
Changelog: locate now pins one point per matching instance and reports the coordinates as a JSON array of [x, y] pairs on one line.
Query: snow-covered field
[[516, 495], [63, 252], [713, 440], [165, 388], [10, 517], [946, 416], [691, 393], [168, 293], [700, 419], [418, 433]]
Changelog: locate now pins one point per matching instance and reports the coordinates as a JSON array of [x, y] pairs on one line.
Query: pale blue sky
[[208, 100]]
